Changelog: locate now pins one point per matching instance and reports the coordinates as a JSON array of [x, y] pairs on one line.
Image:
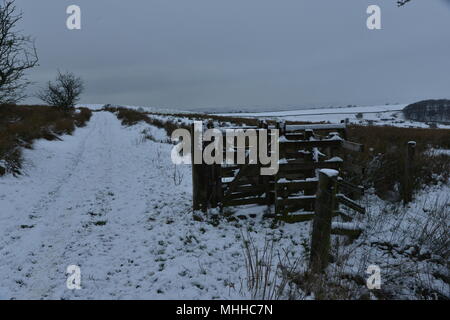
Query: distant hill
[[428, 110]]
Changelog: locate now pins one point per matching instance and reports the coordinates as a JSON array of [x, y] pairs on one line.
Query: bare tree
[[17, 54], [401, 3], [64, 92]]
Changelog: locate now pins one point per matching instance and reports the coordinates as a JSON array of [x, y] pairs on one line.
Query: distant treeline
[[429, 110]]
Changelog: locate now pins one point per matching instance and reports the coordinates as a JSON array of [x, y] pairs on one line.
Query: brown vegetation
[[130, 117], [21, 125], [383, 158], [385, 152]]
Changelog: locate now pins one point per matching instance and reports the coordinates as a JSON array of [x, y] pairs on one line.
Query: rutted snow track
[[108, 203], [106, 200]]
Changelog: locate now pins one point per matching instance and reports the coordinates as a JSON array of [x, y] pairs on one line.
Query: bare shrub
[[434, 232], [177, 176], [64, 92], [145, 136], [267, 270], [410, 244]]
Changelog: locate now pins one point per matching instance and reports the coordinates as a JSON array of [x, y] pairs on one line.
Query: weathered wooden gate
[[290, 195]]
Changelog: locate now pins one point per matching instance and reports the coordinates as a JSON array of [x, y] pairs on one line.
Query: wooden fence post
[[409, 167], [195, 173], [309, 133], [324, 206]]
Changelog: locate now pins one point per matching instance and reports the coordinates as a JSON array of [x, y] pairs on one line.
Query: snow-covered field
[[107, 201], [110, 201], [376, 115], [97, 106]]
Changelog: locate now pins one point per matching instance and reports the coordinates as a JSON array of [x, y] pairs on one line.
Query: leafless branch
[[64, 92], [401, 3], [17, 54]]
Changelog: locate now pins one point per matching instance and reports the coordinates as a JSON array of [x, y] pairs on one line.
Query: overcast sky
[[269, 54]]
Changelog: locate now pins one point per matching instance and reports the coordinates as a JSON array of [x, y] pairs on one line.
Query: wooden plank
[[250, 170], [351, 233], [246, 201], [276, 193], [350, 203], [219, 187], [344, 216], [296, 204], [195, 178], [295, 155], [251, 188], [350, 187], [288, 210], [228, 173], [256, 192], [298, 199], [238, 179], [295, 136], [297, 185], [294, 175], [293, 218], [301, 127], [352, 146], [307, 166], [231, 129], [243, 181], [241, 173], [290, 146]]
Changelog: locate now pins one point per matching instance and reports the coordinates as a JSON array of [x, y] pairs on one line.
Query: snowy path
[[108, 203], [106, 200]]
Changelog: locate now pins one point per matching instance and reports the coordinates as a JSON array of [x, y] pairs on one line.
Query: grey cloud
[[245, 53]]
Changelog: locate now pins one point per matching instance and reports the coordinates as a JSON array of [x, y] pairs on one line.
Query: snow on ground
[[376, 115], [438, 152], [96, 107], [409, 244], [111, 203], [320, 111]]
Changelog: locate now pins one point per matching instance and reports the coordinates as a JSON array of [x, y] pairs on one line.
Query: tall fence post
[[324, 206], [409, 166], [195, 173]]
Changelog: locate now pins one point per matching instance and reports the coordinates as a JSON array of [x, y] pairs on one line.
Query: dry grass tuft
[[268, 271], [385, 152], [21, 125], [131, 117]]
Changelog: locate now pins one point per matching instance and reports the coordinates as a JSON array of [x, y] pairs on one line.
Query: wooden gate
[[290, 195]]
